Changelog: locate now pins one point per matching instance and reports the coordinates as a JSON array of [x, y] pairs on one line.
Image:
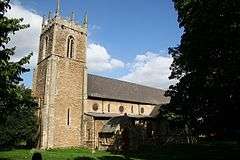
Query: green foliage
[[16, 104], [207, 65], [20, 124]]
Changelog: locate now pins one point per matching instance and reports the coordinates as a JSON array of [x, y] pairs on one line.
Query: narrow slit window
[[68, 117], [45, 47], [46, 42], [109, 108], [68, 43], [89, 134], [70, 47]]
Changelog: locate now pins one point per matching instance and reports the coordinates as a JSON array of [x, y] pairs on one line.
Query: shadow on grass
[[4, 148], [103, 158], [114, 158], [84, 158], [187, 152]]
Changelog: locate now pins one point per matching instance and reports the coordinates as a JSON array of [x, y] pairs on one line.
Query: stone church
[[77, 109]]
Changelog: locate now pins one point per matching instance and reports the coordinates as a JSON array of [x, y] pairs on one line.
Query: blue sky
[[134, 32]]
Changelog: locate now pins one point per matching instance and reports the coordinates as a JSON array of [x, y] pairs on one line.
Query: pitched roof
[[111, 115], [125, 120], [107, 88], [102, 115]]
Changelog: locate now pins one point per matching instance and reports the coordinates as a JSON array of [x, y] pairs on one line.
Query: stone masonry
[[59, 82], [73, 105]]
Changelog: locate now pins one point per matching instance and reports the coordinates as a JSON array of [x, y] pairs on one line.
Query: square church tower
[[60, 80]]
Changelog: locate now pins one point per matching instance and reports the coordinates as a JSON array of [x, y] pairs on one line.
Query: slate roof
[[102, 115], [114, 122], [112, 89], [111, 115]]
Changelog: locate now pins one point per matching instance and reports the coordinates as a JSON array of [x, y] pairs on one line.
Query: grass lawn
[[174, 152]]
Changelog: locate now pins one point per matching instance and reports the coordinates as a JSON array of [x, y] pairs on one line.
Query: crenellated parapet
[[69, 22]]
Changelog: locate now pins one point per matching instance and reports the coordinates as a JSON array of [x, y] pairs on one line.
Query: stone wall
[[60, 84], [68, 104], [46, 44], [98, 128], [88, 131], [62, 32], [40, 80], [92, 127], [69, 88]]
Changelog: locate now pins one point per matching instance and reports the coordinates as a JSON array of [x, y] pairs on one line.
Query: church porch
[[111, 131]]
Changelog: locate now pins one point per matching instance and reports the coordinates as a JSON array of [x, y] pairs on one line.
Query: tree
[[16, 104], [207, 65], [20, 125]]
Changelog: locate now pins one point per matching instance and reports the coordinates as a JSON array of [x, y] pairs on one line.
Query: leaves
[[207, 63], [17, 107]]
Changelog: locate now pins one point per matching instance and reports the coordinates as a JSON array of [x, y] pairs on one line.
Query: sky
[[127, 39]]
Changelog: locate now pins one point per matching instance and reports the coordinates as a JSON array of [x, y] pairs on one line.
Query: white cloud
[[150, 69], [26, 40], [99, 60]]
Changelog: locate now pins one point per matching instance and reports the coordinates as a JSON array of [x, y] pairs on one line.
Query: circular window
[[142, 110], [121, 109], [95, 107]]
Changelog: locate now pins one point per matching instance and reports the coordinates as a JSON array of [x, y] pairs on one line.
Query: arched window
[[70, 47]]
